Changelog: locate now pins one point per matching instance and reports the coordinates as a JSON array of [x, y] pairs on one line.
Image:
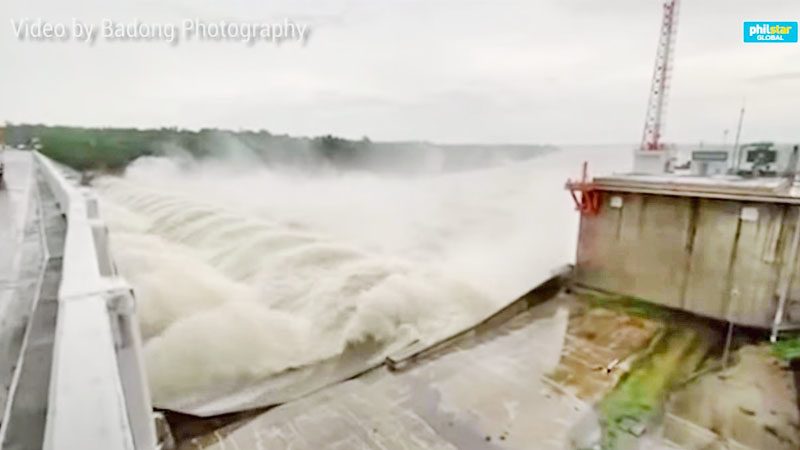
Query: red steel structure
[[657, 103], [586, 198]]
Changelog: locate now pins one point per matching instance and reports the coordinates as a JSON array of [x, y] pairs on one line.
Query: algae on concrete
[[637, 402], [787, 349]]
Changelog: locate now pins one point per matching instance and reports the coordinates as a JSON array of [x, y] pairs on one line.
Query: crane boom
[[657, 103]]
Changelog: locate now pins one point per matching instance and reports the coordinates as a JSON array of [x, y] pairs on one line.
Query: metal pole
[[791, 168], [727, 351], [733, 304], [735, 158]]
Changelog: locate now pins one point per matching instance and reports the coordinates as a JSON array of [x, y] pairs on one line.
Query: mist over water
[[243, 270]]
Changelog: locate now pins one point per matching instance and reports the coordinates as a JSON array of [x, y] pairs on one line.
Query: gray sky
[[521, 71]]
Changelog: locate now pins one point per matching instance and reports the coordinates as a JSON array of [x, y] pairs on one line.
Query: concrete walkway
[[21, 257], [31, 249]]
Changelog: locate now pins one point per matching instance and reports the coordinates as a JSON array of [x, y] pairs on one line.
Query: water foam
[[231, 299], [243, 273]]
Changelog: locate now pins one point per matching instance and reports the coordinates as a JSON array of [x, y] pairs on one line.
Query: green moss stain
[[673, 356], [626, 305], [787, 349], [638, 399]]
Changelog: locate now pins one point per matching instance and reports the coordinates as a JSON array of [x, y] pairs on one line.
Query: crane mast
[[657, 102]]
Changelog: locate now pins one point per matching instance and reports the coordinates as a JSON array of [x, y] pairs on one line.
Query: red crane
[[657, 103], [587, 199]]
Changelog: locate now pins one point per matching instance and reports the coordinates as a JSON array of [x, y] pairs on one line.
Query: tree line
[[112, 149]]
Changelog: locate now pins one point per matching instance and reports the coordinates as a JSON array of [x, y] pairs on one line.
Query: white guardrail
[[98, 391]]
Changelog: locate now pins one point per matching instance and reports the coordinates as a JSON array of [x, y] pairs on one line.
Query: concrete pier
[[718, 247]]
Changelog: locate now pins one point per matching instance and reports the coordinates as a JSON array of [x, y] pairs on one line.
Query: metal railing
[[98, 396]]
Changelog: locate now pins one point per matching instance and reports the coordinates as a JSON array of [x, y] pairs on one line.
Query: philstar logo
[[770, 32]]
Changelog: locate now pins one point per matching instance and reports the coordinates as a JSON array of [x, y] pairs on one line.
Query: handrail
[[98, 391]]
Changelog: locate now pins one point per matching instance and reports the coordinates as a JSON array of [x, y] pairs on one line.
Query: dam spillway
[[207, 251], [565, 360]]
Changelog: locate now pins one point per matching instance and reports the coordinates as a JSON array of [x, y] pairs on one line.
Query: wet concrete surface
[[15, 201], [598, 349], [27, 415], [751, 404], [478, 394], [21, 258]]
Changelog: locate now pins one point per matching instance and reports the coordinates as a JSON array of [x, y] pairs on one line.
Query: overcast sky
[[495, 71]]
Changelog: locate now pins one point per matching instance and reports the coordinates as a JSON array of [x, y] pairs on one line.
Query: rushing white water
[[242, 271]]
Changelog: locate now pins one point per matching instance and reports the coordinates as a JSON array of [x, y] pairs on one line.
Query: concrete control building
[[720, 247]]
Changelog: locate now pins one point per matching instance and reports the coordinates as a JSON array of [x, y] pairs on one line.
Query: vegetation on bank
[[787, 349], [111, 149]]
